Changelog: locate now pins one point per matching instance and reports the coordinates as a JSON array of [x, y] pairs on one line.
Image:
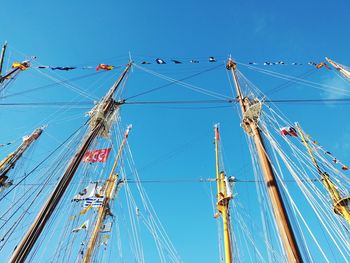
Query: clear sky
[[175, 141]]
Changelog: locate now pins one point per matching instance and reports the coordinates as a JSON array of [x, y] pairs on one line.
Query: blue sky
[[175, 141]]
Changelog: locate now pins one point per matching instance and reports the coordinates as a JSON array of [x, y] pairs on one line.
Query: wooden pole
[[109, 186], [27, 243], [284, 226], [223, 201], [339, 67], [9, 162]]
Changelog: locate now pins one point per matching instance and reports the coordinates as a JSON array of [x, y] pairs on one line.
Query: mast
[[3, 50], [339, 67], [10, 160], [16, 66], [100, 117], [224, 196], [19, 67], [340, 204], [250, 112], [111, 183]]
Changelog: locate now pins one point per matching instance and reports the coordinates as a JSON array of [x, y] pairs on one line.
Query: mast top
[[231, 64]]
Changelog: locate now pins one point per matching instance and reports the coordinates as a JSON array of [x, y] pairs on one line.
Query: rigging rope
[[173, 81]]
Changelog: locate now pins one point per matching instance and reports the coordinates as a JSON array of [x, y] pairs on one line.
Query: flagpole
[[223, 200], [250, 112], [104, 112], [340, 204], [109, 186]]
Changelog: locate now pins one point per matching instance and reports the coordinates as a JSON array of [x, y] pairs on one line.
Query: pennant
[[345, 168], [322, 64], [104, 67], [96, 156], [253, 63], [22, 66], [160, 61], [145, 63], [176, 61], [84, 226], [268, 63], [63, 68], [289, 131], [212, 59], [194, 61], [43, 67], [83, 212]]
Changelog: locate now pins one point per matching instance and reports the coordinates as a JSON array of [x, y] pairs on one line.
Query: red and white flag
[[96, 156], [345, 168], [289, 131]]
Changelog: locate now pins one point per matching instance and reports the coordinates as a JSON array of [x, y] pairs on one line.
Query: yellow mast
[[251, 112], [109, 186], [340, 204], [339, 67], [223, 200]]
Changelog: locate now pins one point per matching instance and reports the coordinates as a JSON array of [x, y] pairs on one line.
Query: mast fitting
[[231, 64], [251, 114]]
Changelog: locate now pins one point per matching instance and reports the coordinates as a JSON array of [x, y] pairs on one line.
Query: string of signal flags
[[159, 61]]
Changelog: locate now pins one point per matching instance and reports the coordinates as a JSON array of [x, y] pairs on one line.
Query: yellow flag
[[85, 210], [21, 66]]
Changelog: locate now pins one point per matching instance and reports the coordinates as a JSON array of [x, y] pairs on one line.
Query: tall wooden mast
[[250, 112], [10, 160], [111, 184], [17, 66], [224, 196], [340, 204], [100, 116], [339, 67]]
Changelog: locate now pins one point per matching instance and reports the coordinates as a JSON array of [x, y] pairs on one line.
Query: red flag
[[289, 131], [96, 156], [344, 168]]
